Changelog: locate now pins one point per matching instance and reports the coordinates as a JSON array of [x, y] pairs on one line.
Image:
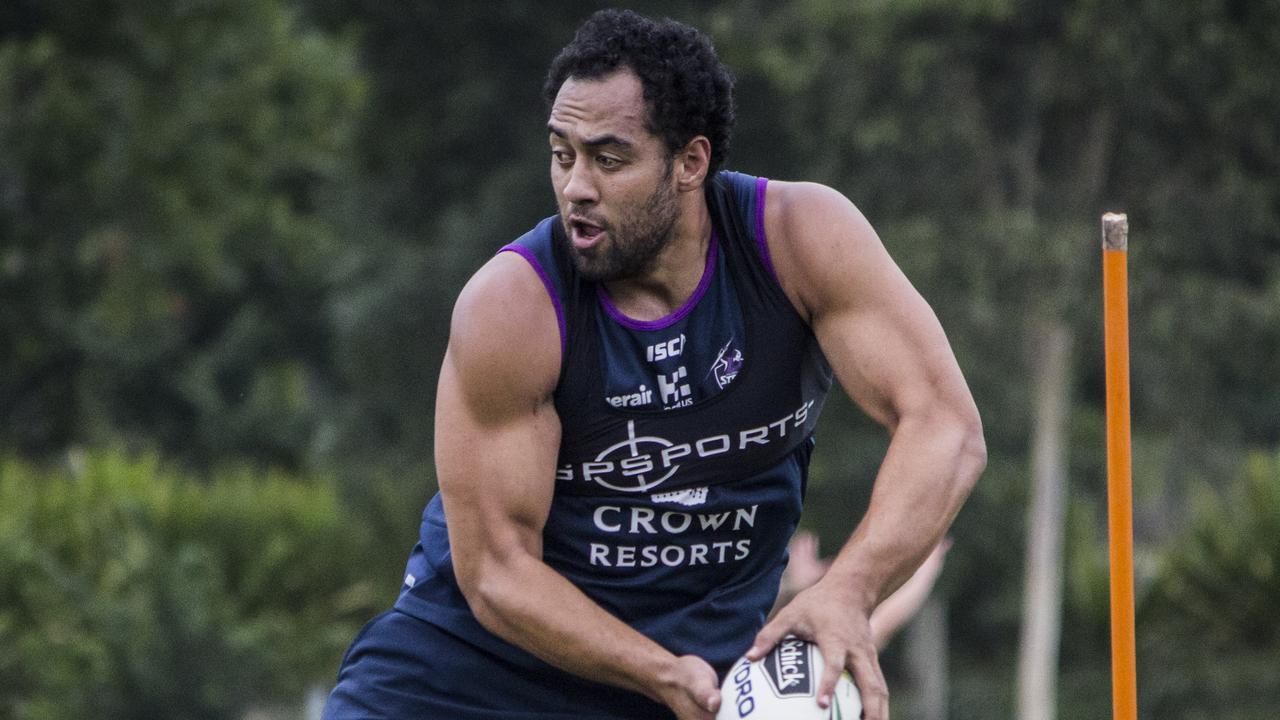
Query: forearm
[[527, 603], [931, 465]]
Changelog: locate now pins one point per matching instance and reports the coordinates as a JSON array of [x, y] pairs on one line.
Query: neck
[[676, 272]]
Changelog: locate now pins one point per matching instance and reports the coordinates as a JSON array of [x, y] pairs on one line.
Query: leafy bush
[[1214, 643], [130, 590]]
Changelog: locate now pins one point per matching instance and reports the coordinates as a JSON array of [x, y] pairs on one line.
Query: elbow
[[492, 591], [972, 453], [484, 595], [483, 592], [966, 445], [488, 615], [494, 567]]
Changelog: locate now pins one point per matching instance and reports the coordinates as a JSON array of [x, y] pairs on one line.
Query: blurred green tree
[[164, 245], [1214, 602], [452, 165], [984, 139], [129, 590]]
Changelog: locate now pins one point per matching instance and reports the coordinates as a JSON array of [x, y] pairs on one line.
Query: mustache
[[585, 216]]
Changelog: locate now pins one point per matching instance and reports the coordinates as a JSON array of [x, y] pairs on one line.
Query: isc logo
[[663, 350]]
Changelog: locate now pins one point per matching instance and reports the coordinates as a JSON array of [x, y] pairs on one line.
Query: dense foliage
[[131, 590]]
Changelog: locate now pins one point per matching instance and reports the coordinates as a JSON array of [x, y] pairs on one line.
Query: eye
[[607, 162], [562, 157]]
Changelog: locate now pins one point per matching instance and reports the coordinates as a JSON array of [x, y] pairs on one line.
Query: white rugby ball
[[783, 685]]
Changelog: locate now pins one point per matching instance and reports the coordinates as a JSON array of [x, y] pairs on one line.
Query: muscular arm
[[497, 435], [892, 357]]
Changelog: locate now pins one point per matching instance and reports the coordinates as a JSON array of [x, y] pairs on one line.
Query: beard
[[635, 241]]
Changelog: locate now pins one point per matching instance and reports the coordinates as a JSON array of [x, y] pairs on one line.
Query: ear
[[691, 164]]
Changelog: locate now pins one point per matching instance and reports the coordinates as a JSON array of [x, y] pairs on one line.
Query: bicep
[[496, 474], [886, 345], [497, 432], [882, 339]]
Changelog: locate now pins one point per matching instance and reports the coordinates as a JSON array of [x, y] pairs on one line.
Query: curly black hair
[[689, 92]]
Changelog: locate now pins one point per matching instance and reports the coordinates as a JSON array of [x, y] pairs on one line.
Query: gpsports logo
[[639, 463], [789, 668], [635, 464]]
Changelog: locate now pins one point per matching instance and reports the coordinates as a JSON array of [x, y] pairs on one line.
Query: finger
[[768, 636], [869, 680], [833, 665], [705, 688], [709, 696], [711, 701], [805, 544]]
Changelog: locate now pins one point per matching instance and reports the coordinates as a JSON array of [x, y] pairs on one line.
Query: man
[[624, 417]]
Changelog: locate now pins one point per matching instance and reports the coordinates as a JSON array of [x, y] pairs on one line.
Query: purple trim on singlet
[[527, 254], [707, 273], [761, 240]]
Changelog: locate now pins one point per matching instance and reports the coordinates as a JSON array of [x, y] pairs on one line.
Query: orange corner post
[[1115, 287]]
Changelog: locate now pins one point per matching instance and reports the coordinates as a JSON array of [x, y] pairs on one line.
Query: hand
[[832, 617], [691, 689], [805, 567]]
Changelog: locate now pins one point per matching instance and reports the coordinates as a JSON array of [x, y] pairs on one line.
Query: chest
[[687, 358], [726, 386]]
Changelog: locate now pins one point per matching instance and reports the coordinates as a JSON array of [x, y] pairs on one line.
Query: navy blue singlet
[[681, 472]]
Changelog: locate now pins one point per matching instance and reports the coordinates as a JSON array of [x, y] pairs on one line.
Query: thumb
[[707, 693], [711, 700], [704, 685]]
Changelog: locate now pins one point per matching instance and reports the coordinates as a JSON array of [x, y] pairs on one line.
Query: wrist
[[857, 589], [650, 671], [665, 680]]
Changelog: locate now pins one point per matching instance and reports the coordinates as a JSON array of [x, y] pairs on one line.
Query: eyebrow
[[593, 142]]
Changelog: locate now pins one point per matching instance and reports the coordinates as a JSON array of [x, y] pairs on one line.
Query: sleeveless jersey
[[684, 451]]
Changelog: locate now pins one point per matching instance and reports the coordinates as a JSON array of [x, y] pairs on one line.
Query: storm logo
[[727, 365]]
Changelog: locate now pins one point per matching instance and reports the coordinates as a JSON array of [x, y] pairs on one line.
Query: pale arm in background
[[807, 567]]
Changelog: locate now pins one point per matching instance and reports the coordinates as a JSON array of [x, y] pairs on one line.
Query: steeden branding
[[789, 668]]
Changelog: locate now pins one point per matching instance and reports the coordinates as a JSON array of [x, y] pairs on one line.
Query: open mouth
[[585, 234]]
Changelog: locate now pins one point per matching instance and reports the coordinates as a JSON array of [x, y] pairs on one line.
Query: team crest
[[727, 365]]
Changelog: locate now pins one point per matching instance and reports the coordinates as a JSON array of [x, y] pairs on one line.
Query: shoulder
[[820, 244], [504, 337]]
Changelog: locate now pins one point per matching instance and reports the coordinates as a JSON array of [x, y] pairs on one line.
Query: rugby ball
[[783, 685]]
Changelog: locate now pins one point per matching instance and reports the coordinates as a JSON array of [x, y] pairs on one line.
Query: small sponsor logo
[[789, 668], [727, 365], [689, 497], [674, 392], [667, 349], [642, 396]]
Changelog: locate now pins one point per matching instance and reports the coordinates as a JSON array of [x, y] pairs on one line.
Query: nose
[[580, 187]]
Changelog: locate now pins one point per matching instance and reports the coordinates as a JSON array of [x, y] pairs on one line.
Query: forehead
[[612, 104]]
